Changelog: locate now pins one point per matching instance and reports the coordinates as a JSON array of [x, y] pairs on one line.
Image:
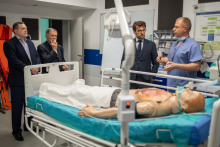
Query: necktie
[[139, 48]]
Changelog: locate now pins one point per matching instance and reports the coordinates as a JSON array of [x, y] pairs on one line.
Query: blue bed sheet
[[196, 126]]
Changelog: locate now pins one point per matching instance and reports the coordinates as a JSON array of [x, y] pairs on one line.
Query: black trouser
[[138, 86], [17, 101]]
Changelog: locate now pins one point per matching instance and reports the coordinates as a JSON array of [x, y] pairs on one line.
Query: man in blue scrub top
[[184, 58]]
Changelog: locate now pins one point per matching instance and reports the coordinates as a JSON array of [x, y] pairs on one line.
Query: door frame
[[58, 18], [82, 58], [69, 36]]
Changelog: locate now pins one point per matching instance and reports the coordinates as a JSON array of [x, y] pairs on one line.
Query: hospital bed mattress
[[185, 129]]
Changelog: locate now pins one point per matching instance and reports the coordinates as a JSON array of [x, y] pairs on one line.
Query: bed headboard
[[33, 82]]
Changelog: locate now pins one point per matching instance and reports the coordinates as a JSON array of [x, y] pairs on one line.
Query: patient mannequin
[[150, 102], [153, 102]]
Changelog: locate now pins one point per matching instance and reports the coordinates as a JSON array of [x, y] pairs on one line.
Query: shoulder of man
[[193, 43], [10, 41], [148, 41], [42, 45]]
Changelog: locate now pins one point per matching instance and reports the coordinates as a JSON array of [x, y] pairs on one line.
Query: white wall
[[20, 9], [79, 3], [92, 24], [15, 13], [92, 32], [189, 12], [65, 34], [92, 20]]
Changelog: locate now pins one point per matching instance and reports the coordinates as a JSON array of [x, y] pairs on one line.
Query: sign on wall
[[207, 26]]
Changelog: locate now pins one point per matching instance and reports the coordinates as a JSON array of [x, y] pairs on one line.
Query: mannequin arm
[[106, 113], [144, 108]]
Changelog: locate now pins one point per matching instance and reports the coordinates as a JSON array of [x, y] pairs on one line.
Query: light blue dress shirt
[[25, 46], [137, 43], [189, 52]]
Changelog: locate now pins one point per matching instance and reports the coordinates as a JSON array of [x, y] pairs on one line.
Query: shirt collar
[[20, 39], [142, 40]]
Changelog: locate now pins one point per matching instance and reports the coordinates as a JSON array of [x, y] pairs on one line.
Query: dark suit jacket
[[18, 59], [143, 63], [48, 55]]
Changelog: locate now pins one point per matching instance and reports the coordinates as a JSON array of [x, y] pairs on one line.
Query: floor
[[7, 139]]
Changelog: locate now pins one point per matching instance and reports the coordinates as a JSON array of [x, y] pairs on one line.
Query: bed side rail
[[150, 84], [214, 132], [54, 75]]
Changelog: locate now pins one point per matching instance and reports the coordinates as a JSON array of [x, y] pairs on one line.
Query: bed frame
[[74, 137], [32, 85]]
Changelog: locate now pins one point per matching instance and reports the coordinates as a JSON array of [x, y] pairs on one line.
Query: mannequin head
[[191, 101]]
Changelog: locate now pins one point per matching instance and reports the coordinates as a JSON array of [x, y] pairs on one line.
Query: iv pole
[[125, 85]]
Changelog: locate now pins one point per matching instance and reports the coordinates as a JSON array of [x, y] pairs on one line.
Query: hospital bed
[[59, 119]]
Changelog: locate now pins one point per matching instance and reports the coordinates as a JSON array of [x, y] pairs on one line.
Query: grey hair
[[50, 29]]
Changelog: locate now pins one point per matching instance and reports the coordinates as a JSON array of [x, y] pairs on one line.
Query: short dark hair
[[16, 25], [138, 23], [50, 29]]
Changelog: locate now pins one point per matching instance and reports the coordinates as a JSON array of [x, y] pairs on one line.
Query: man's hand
[[65, 67], [89, 110], [171, 66], [53, 44], [159, 59], [34, 71], [162, 60], [152, 80]]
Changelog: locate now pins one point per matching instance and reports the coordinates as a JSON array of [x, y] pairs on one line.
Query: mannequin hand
[[89, 110]]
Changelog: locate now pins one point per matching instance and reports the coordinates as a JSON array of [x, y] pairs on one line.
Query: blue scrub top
[[189, 52]]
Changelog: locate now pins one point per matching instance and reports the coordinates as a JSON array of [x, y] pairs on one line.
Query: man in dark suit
[[145, 54], [50, 52], [19, 52]]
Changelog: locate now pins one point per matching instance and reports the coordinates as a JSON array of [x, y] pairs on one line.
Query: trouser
[[138, 86], [18, 102]]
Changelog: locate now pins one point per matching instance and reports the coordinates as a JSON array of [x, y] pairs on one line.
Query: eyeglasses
[[139, 31], [53, 35]]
